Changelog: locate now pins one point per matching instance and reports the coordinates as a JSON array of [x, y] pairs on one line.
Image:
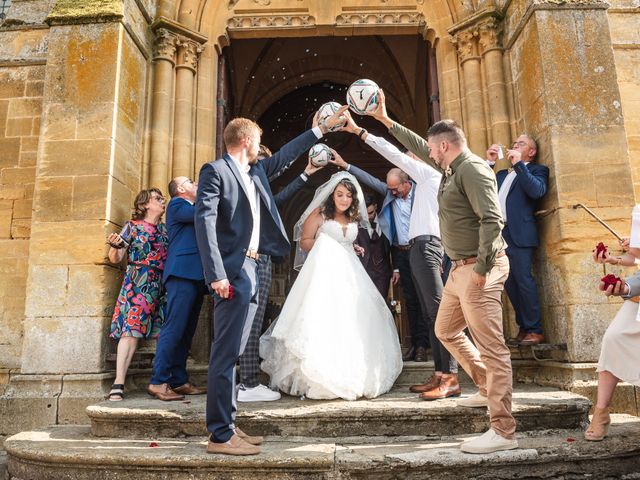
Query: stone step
[[398, 412], [70, 452]]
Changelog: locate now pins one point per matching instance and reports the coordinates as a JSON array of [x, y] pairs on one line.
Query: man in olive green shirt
[[470, 225]]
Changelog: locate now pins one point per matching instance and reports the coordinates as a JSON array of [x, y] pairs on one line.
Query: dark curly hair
[[353, 213], [143, 197]]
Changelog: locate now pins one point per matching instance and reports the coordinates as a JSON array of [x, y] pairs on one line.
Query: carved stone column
[[465, 42], [188, 53], [491, 48], [164, 54]]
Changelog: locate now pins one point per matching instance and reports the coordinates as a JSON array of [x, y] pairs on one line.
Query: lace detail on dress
[[337, 231]]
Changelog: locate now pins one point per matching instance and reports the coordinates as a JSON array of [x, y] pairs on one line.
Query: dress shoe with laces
[[430, 384], [408, 357], [164, 392], [252, 439], [449, 387], [421, 355], [235, 446], [190, 389], [517, 339], [532, 339]]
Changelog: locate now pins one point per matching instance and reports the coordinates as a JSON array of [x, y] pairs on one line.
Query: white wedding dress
[[335, 336]]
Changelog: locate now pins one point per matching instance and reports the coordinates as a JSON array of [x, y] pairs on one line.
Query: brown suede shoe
[[430, 384], [190, 389], [421, 355], [164, 392], [408, 357], [252, 439], [449, 387], [532, 339], [235, 446], [516, 340]]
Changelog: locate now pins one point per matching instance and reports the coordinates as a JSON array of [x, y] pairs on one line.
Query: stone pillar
[[491, 49], [470, 61], [162, 96], [183, 162]]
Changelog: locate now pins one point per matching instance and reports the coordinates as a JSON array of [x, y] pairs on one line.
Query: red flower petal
[[601, 248], [153, 444], [610, 279], [571, 439]]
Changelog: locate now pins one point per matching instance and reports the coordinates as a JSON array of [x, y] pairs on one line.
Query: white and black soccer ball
[[328, 109], [362, 96], [319, 155]]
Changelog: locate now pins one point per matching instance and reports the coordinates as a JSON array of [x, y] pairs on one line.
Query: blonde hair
[[238, 129]]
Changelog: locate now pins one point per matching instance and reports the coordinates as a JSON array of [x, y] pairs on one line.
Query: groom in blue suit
[[519, 190], [236, 222]]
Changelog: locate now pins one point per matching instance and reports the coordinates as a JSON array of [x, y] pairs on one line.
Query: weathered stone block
[[28, 144], [54, 199], [6, 215], [35, 126], [96, 123], [21, 228], [90, 197], [75, 157], [78, 392], [52, 344], [51, 283], [11, 87], [9, 152], [34, 89], [18, 127], [18, 175], [28, 159], [29, 401], [93, 290], [59, 122], [25, 107]]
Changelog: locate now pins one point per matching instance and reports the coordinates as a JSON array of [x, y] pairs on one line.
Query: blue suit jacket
[[385, 216], [183, 259], [528, 187], [223, 220]]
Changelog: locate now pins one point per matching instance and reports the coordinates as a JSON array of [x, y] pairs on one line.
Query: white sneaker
[[475, 401], [488, 442], [261, 393]]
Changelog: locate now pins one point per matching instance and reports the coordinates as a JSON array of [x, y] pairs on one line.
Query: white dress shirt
[[503, 192], [424, 214], [254, 201]]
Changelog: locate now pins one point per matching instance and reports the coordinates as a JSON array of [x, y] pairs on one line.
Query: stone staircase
[[395, 436]]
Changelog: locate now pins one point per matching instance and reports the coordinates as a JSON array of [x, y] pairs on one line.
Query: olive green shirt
[[469, 210]]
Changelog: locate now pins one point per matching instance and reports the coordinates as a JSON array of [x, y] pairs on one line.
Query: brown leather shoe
[[532, 339], [516, 340], [190, 389], [421, 355], [163, 392], [408, 357], [252, 439], [235, 446], [449, 387], [430, 384]]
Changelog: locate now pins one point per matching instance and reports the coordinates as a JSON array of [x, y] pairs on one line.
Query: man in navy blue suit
[[519, 189], [184, 282], [236, 222]]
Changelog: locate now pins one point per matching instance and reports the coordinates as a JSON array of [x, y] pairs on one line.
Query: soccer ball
[[320, 155], [362, 96], [328, 109]]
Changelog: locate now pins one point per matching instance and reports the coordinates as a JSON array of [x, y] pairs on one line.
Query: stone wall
[[624, 18]]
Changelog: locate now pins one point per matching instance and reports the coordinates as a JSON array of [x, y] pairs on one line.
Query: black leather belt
[[423, 238], [471, 260], [403, 247]]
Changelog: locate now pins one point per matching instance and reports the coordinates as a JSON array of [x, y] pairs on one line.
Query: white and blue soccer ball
[[362, 96], [328, 109], [319, 155]]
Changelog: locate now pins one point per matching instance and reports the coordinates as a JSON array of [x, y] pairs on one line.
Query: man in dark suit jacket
[[236, 222], [519, 189], [376, 258], [184, 282]]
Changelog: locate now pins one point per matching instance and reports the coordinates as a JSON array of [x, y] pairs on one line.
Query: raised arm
[[363, 177], [534, 183], [297, 184], [183, 212]]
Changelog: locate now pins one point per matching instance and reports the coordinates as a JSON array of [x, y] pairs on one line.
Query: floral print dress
[[141, 304]]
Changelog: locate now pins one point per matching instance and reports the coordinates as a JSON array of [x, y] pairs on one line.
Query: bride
[[335, 336]]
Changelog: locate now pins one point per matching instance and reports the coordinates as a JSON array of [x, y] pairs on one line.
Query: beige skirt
[[620, 352]]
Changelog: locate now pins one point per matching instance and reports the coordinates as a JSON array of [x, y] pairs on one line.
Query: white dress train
[[335, 336]]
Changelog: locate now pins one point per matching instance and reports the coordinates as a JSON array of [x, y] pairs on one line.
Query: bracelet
[[362, 132]]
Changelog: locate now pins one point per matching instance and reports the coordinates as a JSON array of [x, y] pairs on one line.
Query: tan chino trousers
[[480, 309]]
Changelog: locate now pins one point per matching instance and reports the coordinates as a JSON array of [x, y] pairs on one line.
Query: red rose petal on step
[[571, 439], [610, 279], [153, 444]]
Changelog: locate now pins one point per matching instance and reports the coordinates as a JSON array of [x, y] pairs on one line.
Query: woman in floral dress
[[140, 308]]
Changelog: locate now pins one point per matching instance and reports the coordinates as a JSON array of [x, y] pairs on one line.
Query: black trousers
[[233, 319], [417, 321], [426, 257]]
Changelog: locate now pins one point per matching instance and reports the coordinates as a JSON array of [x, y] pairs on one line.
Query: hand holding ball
[[319, 155], [328, 109], [362, 96]]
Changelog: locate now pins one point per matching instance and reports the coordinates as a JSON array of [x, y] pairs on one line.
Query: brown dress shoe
[[532, 339], [235, 446], [252, 439], [408, 357], [163, 392], [449, 387], [190, 389], [516, 340], [430, 384], [421, 355]]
